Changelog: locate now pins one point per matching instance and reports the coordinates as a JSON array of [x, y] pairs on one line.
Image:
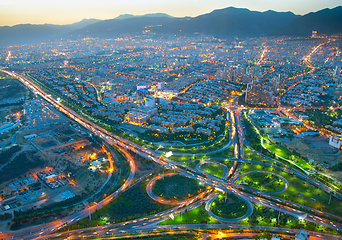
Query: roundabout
[[248, 213], [185, 198]]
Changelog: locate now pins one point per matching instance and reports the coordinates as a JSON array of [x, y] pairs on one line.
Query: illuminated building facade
[[336, 141], [137, 118]]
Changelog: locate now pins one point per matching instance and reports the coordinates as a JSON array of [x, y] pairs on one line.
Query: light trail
[[262, 56], [8, 56], [150, 154]]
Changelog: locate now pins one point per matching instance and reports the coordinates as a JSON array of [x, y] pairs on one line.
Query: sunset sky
[[69, 11]]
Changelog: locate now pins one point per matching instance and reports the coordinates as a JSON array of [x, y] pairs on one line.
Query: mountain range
[[224, 23]]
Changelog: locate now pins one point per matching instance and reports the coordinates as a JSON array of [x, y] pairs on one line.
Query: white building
[[302, 235], [336, 141], [160, 85], [150, 102]]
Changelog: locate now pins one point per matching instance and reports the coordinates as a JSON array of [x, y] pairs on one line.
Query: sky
[[14, 12]]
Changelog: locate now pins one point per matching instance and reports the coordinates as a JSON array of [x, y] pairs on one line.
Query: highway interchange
[[149, 223]]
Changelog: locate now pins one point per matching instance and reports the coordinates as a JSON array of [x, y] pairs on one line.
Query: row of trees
[[323, 118], [252, 137], [6, 155]]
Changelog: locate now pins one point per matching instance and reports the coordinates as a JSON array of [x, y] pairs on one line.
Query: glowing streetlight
[[168, 154]]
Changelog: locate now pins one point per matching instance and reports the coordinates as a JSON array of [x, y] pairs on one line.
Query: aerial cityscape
[[221, 125]]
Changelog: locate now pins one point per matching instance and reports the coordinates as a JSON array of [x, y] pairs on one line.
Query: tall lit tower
[[337, 70]]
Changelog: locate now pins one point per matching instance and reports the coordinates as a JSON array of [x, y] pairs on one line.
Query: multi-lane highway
[[58, 224], [235, 220], [217, 183]]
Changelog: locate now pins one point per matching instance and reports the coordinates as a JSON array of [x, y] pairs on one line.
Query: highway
[[149, 154], [56, 225], [265, 193], [108, 231]]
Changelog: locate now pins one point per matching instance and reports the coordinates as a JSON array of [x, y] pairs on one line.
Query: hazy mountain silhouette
[[113, 28], [83, 23], [32, 33], [326, 21], [229, 22], [125, 16]]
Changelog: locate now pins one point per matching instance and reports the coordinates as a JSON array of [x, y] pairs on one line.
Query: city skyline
[[67, 12], [226, 124]]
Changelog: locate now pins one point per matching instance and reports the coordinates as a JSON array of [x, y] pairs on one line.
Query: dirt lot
[[45, 142], [315, 148]]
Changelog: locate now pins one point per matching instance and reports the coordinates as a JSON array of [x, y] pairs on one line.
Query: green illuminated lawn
[[300, 191], [194, 216], [213, 169], [255, 157], [247, 167], [262, 181], [279, 150], [285, 153], [230, 207], [227, 153], [263, 216], [177, 187]]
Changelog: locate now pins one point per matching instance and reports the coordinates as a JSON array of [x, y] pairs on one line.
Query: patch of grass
[[131, 204], [262, 181], [285, 153], [177, 187], [20, 165], [299, 191], [279, 150], [213, 169], [230, 207], [194, 216]]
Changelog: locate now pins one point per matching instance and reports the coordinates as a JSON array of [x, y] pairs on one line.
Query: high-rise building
[[240, 75], [150, 101], [337, 70], [143, 92], [314, 34], [339, 81], [278, 82], [160, 85], [96, 80], [103, 70], [225, 74]]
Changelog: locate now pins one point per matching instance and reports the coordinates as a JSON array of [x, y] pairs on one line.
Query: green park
[[228, 206], [262, 181], [213, 169], [177, 187]]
